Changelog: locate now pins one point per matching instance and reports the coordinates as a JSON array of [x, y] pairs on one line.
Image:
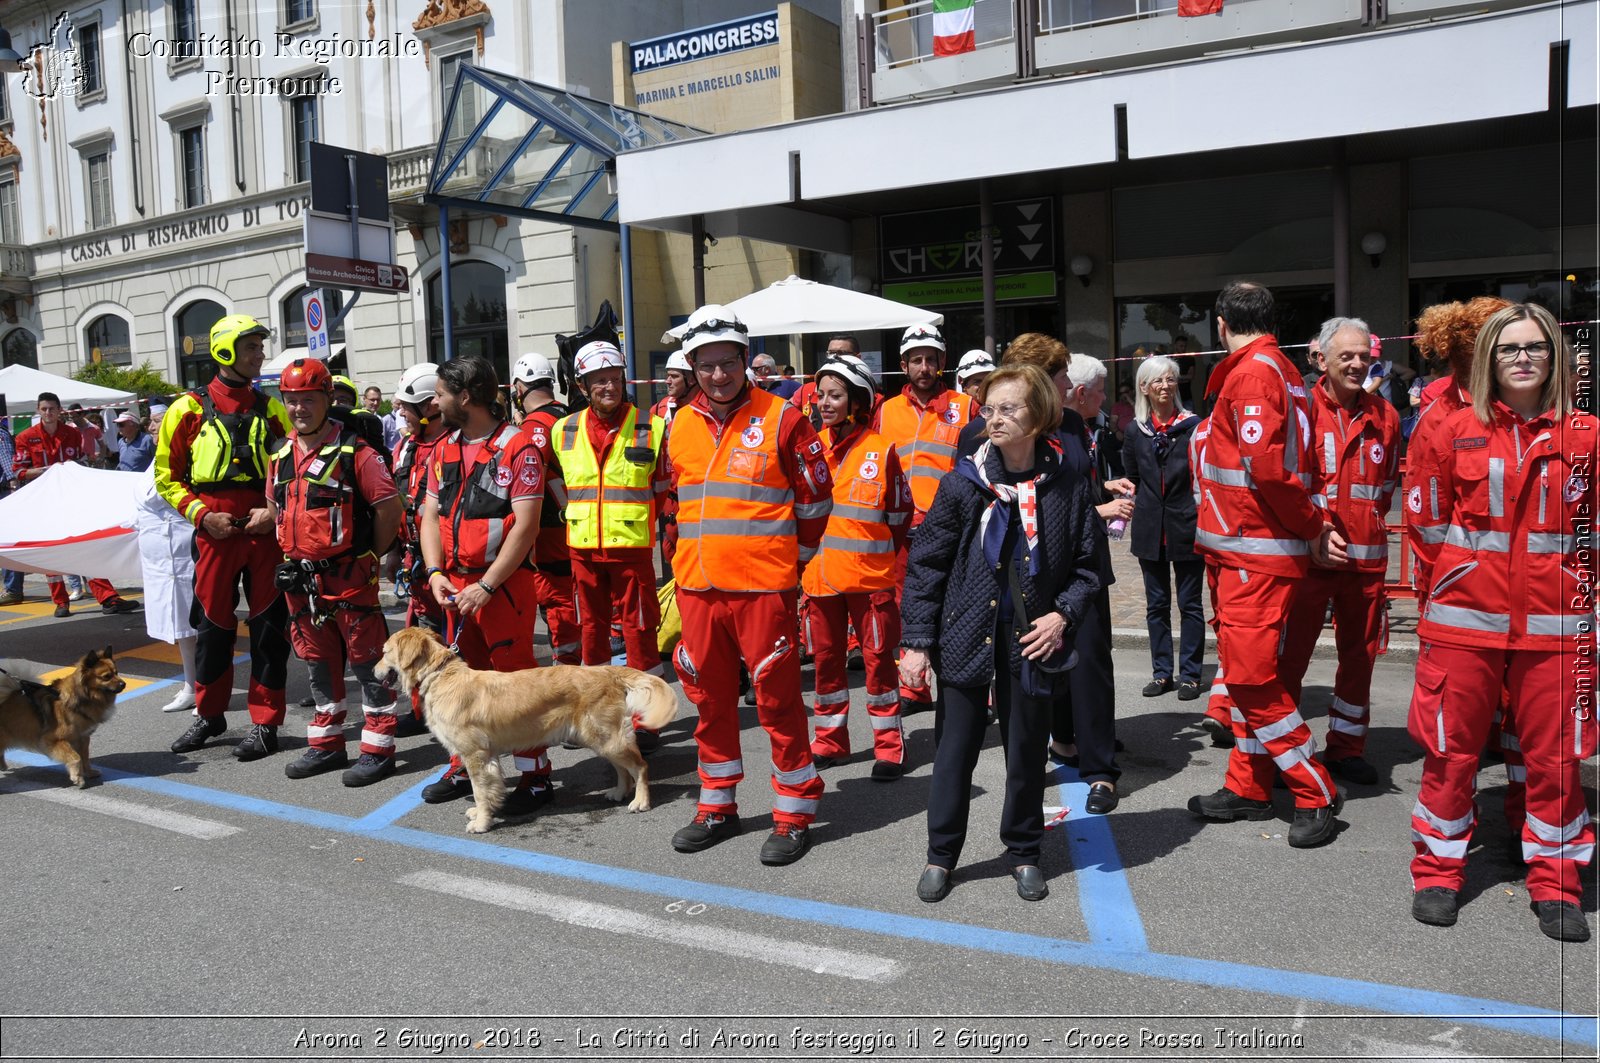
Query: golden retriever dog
[[57, 718], [480, 715]]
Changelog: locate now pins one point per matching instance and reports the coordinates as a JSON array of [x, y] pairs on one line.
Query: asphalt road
[[197, 907]]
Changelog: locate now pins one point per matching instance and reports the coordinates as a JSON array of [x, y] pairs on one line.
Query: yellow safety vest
[[610, 507]]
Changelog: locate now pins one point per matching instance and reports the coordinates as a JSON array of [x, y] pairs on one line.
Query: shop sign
[[949, 242], [1012, 287]]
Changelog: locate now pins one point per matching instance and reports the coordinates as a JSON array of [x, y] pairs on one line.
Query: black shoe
[[1434, 905], [262, 741], [821, 761], [1353, 769], [1313, 826], [408, 725], [1188, 690], [316, 761], [308, 703], [886, 770], [368, 769], [704, 831], [454, 784], [1561, 920], [1227, 806], [647, 741], [787, 843], [934, 885], [750, 698], [1221, 734], [204, 727], [526, 800], [63, 610], [1030, 883], [1102, 799], [119, 605], [1157, 687], [855, 662]]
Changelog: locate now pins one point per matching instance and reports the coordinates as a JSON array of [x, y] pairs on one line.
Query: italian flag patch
[[952, 27], [1252, 411]]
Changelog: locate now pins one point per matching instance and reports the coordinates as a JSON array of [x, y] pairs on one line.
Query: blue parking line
[[1104, 896], [1346, 992], [393, 810]]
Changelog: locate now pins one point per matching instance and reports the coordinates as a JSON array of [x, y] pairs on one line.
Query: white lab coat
[[166, 556]]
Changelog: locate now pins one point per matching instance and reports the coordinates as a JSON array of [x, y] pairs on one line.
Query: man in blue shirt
[[138, 447]]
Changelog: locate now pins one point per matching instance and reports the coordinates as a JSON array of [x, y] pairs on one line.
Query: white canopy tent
[[21, 387], [74, 519], [795, 306], [275, 365]]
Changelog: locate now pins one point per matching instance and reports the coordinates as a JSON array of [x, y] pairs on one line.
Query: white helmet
[[921, 336], [532, 368], [416, 384], [853, 371], [714, 324], [597, 355], [680, 361], [973, 363]]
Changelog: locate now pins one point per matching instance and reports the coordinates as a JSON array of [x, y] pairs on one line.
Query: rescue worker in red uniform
[[478, 526], [850, 583], [1355, 450], [609, 458], [1257, 522], [923, 423], [533, 381], [681, 390], [754, 494], [415, 403], [336, 509], [213, 459], [1511, 606], [51, 441]]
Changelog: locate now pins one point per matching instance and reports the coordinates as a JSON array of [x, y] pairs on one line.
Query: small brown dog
[[479, 715], [57, 718]]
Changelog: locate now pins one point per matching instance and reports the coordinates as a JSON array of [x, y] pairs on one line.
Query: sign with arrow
[[948, 242]]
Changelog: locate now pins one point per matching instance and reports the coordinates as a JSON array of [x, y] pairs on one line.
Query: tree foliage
[[145, 380]]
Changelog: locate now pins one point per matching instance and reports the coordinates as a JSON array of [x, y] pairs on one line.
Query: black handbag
[[1040, 679]]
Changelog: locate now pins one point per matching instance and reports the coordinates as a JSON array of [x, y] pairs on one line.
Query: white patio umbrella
[[795, 306], [21, 386]]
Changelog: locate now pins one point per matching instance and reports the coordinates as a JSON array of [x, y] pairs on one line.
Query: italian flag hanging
[[952, 27]]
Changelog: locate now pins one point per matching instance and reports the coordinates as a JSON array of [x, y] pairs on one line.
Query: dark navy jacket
[[1164, 505]]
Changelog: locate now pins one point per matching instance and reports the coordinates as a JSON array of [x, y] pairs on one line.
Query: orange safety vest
[[857, 554], [925, 438], [736, 517], [321, 514], [475, 504]]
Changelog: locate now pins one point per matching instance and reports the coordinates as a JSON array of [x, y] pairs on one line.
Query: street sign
[[316, 326], [361, 273]]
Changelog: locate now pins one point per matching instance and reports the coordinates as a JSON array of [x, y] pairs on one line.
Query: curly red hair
[[1447, 331]]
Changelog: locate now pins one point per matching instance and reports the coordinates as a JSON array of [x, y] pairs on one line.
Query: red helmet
[[306, 374]]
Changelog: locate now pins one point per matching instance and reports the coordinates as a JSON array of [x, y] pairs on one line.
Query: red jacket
[[475, 514], [37, 448], [411, 460], [1357, 462], [325, 493], [1516, 567], [550, 546], [1429, 445], [1255, 475]]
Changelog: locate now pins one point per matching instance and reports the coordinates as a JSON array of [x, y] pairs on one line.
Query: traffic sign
[[360, 273], [316, 326]]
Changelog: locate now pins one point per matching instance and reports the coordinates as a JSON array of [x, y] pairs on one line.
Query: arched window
[[192, 335], [478, 295], [19, 348], [106, 341], [292, 313]]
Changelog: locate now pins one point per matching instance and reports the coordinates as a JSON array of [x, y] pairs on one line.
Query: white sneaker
[[76, 596], [182, 700]]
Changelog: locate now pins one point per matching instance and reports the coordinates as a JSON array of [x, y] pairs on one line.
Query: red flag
[[1195, 8]]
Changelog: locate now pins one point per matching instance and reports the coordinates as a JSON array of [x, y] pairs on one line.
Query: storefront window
[[192, 336], [106, 340], [478, 295], [19, 348]]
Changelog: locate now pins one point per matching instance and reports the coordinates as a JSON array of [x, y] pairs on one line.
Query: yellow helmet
[[340, 381], [227, 332]]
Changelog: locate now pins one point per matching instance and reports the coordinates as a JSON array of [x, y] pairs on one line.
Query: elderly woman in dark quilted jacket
[[1008, 522]]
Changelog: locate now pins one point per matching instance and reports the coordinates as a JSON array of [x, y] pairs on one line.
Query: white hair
[[1334, 325], [1083, 371], [1150, 370]]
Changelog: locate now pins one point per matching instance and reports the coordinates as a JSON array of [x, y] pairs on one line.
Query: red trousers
[[721, 629], [1360, 619], [560, 609], [1270, 736], [921, 693], [1456, 695], [102, 590], [626, 589], [353, 630], [499, 638], [878, 621], [220, 566]]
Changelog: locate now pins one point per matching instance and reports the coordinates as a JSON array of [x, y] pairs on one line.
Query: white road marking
[[177, 822], [855, 965]]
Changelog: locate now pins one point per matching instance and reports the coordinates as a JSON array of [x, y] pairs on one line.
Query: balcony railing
[[904, 35], [409, 171], [16, 268], [1081, 14]]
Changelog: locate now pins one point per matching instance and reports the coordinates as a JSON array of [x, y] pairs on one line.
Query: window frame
[[181, 136], [89, 30], [462, 54], [292, 22], [301, 152], [97, 223], [10, 219], [180, 63]]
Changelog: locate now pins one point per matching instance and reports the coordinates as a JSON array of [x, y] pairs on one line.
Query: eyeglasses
[[1008, 410], [731, 366], [1510, 352], [716, 324]]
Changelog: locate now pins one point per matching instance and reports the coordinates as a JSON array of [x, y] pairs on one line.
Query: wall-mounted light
[[11, 60], [1373, 245], [1081, 266]]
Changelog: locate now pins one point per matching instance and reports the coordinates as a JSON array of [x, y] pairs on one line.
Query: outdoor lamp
[[1373, 245], [1081, 266]]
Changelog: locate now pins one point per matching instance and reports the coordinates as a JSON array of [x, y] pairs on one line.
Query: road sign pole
[[444, 284]]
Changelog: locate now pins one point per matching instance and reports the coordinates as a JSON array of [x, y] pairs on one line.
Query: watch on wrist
[[487, 589]]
